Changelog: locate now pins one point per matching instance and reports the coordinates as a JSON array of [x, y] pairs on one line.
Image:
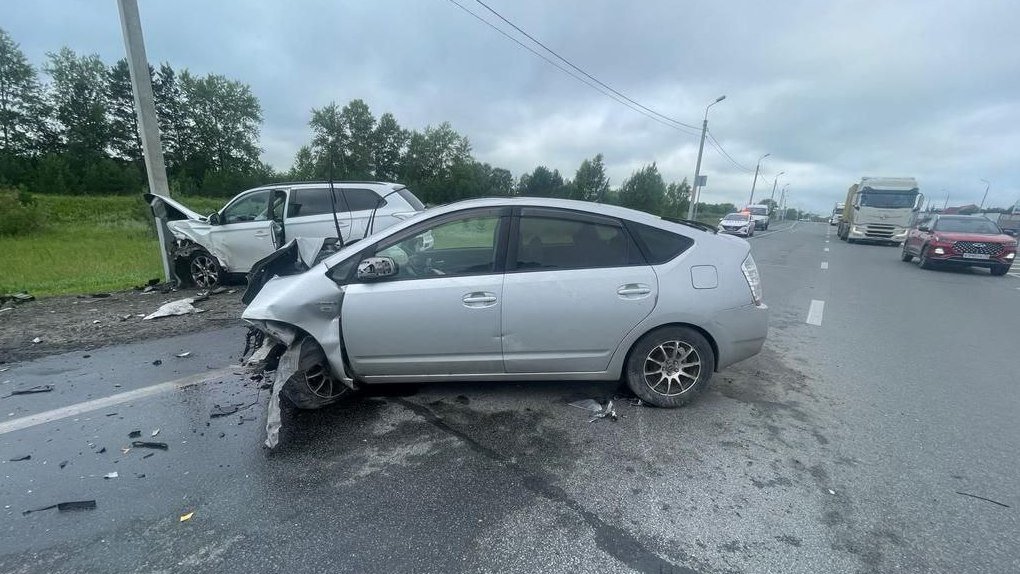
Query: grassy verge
[[89, 244]]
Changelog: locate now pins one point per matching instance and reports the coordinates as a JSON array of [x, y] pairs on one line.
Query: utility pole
[[750, 200], [148, 125], [782, 203], [697, 167], [775, 180], [946, 204], [985, 196]]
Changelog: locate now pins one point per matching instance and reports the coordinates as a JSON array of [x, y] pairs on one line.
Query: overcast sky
[[833, 90]]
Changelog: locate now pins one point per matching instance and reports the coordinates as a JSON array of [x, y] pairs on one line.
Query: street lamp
[[697, 167], [774, 181], [782, 201], [750, 200], [985, 196]]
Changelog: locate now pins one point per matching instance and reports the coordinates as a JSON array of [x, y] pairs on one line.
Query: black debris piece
[[31, 390], [223, 434], [135, 434], [200, 297], [85, 356], [99, 295], [66, 506], [462, 399], [139, 475], [148, 455], [111, 414], [21, 458], [222, 411], [983, 498], [101, 451], [158, 362], [63, 464], [146, 444]]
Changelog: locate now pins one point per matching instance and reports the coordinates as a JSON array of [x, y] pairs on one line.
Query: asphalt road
[[883, 392]]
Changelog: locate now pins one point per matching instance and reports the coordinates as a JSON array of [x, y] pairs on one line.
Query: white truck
[[837, 213], [760, 214], [880, 209]]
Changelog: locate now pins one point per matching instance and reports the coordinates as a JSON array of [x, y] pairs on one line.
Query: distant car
[[835, 219], [257, 222], [760, 215], [514, 289], [738, 224], [963, 240]]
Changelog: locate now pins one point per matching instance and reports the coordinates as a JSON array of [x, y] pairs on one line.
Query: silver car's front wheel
[[672, 368], [205, 270], [670, 365]]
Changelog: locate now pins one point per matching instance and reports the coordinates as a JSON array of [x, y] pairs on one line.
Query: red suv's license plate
[[975, 256]]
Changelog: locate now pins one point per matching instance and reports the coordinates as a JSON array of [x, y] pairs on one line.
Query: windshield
[[758, 210], [968, 225], [737, 216], [888, 200]]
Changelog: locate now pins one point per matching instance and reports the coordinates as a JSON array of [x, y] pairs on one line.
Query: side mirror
[[372, 268], [1010, 232], [214, 218], [923, 228]]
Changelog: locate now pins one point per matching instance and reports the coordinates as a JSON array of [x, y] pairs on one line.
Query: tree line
[[76, 133]]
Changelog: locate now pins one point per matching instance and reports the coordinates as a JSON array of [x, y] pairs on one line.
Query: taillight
[[750, 270]]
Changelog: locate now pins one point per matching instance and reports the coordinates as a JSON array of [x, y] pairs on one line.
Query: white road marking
[[767, 233], [825, 264], [815, 312], [826, 248], [102, 403], [826, 240]]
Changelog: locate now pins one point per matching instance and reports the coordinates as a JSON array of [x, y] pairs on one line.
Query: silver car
[[257, 222], [514, 289]]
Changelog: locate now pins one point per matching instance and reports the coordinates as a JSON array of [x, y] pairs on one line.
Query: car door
[[920, 234], [440, 314], [248, 229], [575, 285]]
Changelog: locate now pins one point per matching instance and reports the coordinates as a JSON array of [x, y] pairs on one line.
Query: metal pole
[[750, 200], [985, 196], [692, 206], [772, 197], [946, 204], [697, 169], [145, 107]]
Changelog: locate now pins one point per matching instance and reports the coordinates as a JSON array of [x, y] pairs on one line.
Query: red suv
[[965, 240]]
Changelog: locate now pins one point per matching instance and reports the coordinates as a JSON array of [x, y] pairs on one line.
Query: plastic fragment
[[596, 409], [186, 517], [111, 475], [31, 390], [37, 340], [145, 444], [135, 434], [66, 506], [158, 362], [222, 411], [155, 432], [183, 355], [62, 464]]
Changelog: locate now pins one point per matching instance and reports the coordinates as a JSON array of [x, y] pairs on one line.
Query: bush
[[21, 214]]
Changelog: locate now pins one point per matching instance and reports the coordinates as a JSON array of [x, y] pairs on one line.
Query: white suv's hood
[[172, 210]]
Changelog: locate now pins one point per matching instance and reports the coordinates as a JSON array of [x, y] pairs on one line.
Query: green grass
[[90, 244]]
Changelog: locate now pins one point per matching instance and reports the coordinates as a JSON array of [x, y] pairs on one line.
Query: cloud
[[832, 90]]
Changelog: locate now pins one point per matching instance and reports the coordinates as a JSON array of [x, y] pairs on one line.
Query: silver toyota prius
[[511, 289]]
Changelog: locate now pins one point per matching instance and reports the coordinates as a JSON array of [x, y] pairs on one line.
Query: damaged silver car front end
[[300, 346]]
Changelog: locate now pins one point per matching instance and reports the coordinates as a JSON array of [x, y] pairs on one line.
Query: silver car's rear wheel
[[205, 270], [672, 368], [670, 365]]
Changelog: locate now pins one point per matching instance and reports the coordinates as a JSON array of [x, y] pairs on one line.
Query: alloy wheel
[[204, 271], [322, 384], [672, 368]]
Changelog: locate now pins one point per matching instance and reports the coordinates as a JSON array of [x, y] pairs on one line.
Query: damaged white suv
[[257, 222]]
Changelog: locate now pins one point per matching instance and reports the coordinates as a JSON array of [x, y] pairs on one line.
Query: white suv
[[259, 221], [760, 215]]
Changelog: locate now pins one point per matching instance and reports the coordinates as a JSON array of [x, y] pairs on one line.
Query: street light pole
[[985, 196], [750, 200], [697, 167], [775, 180], [782, 202]]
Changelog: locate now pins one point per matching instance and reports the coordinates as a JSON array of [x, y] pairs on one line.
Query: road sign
[[702, 181]]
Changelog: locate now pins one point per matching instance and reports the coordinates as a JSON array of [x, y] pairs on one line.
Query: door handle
[[479, 299], [261, 234], [633, 289]]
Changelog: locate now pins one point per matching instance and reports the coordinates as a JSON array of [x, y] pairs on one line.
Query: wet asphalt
[[841, 448]]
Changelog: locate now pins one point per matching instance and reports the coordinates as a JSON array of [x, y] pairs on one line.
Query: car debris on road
[[31, 390], [65, 506], [179, 307]]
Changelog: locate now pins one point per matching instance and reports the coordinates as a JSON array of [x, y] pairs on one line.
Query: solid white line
[[825, 264], [767, 233], [96, 404], [815, 312]]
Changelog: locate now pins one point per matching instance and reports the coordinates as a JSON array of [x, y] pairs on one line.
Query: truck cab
[[880, 210]]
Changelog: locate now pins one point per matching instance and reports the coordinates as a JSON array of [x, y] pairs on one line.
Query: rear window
[[316, 201], [411, 199], [659, 245]]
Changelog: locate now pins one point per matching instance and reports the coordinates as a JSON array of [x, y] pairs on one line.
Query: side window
[[545, 243], [252, 207], [316, 201], [660, 245], [460, 247]]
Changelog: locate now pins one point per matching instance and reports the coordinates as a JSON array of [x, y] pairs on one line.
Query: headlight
[[940, 251], [750, 270], [1010, 255]]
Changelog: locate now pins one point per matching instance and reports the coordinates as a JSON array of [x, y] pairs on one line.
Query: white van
[[760, 214]]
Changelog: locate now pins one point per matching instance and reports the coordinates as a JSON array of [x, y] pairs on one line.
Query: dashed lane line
[[815, 312], [825, 264]]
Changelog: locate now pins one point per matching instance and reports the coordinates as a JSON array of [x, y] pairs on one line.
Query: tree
[[388, 143], [224, 120], [125, 143], [590, 181], [22, 107], [541, 183], [644, 190], [80, 103], [175, 127], [357, 125], [677, 199], [428, 164]]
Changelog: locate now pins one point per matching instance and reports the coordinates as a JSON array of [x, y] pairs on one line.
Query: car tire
[[923, 261], [313, 386], [675, 384], [905, 256], [999, 270], [204, 271]]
